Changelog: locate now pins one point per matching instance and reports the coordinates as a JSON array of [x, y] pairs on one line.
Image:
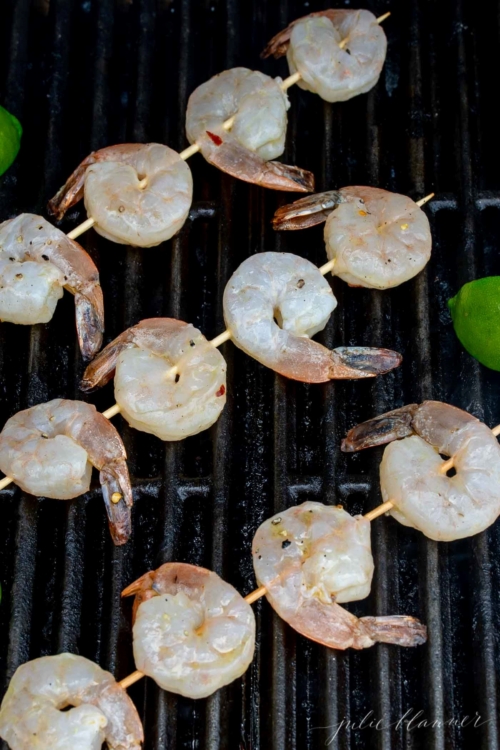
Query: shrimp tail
[[142, 590], [278, 45], [400, 630], [383, 429], [144, 582], [307, 212], [72, 190], [225, 153], [89, 324], [115, 480], [102, 368], [278, 176], [355, 362]]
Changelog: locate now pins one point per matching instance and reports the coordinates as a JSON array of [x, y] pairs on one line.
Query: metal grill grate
[[81, 75]]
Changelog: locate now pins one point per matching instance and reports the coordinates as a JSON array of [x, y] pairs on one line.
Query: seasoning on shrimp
[[37, 261], [326, 561], [274, 302], [378, 239], [443, 507], [193, 632], [257, 135], [123, 210], [49, 450], [335, 71], [34, 712], [140, 358]]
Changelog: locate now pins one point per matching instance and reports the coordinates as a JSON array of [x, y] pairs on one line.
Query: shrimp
[[49, 451], [443, 507], [313, 557], [378, 239], [36, 262], [32, 713], [193, 632], [274, 302], [169, 407], [124, 211], [312, 47], [258, 133]]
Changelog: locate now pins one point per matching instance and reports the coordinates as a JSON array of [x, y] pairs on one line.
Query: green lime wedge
[[475, 312], [10, 139]]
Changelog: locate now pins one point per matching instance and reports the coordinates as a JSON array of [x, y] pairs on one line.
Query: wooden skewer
[[343, 43], [425, 200], [81, 228], [111, 412], [194, 148], [444, 468], [5, 482], [258, 593]]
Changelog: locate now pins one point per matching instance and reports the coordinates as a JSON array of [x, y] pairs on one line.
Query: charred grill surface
[[83, 74]]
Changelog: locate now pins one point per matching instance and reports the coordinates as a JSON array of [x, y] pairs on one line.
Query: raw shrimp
[[258, 133], [32, 713], [169, 407], [443, 507], [312, 557], [312, 47], [36, 262], [270, 287], [124, 211], [378, 239], [49, 450], [193, 632]]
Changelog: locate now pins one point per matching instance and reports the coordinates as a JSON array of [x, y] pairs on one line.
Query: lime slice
[[10, 139], [475, 312]]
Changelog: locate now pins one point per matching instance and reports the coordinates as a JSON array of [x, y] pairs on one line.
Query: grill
[[88, 73]]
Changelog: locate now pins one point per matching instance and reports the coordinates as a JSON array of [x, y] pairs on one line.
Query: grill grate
[[87, 73]]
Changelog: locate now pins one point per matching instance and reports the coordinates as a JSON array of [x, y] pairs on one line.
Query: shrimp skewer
[[37, 261], [290, 289], [140, 194], [140, 359], [178, 588], [257, 135], [49, 450], [310, 558], [32, 711], [315, 44], [193, 632], [375, 238], [277, 175], [415, 488], [123, 209]]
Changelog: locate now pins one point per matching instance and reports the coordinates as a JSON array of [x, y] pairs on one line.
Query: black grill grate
[[81, 75]]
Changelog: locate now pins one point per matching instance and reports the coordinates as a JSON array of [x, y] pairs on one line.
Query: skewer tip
[[382, 18], [425, 200]]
